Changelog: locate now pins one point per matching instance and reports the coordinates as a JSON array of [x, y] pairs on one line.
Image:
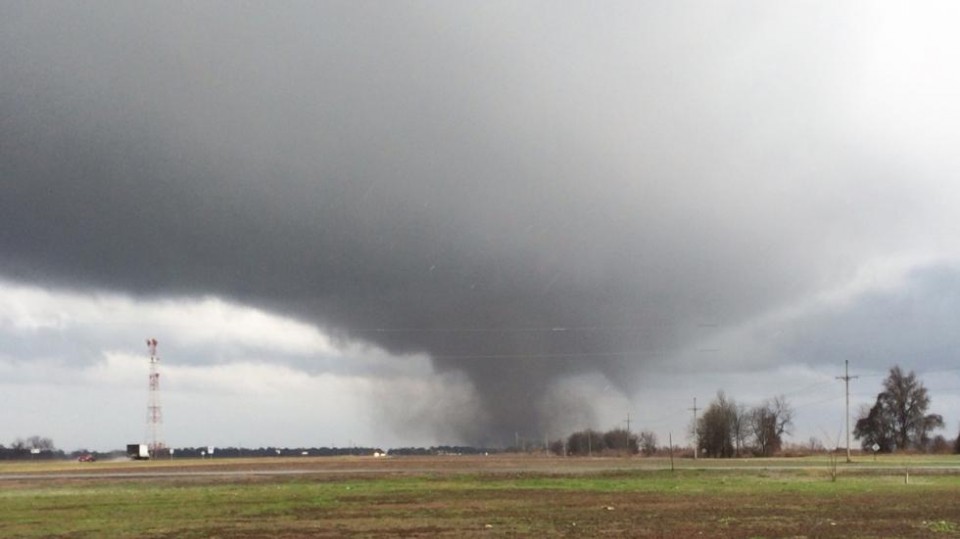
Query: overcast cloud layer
[[526, 194]]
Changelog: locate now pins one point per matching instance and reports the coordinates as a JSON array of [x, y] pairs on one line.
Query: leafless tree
[[740, 427], [648, 443], [769, 422], [40, 442]]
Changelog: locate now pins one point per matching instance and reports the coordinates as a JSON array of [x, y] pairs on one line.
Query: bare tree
[[784, 414], [740, 428], [648, 443], [769, 422], [814, 445], [762, 429], [39, 442], [556, 447]]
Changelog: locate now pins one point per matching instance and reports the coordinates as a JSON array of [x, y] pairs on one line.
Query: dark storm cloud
[[908, 324], [522, 192]]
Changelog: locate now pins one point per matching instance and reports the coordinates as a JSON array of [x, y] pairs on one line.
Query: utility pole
[[671, 451], [629, 452], [846, 381], [696, 442]]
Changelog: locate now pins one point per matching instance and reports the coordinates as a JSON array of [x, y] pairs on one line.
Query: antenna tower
[[154, 413]]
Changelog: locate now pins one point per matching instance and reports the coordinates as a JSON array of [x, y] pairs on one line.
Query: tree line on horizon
[[725, 429], [898, 421]]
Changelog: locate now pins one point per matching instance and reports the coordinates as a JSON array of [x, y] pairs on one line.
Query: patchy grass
[[475, 498], [942, 526]]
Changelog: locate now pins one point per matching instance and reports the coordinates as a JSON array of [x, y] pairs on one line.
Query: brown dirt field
[[514, 496], [497, 464]]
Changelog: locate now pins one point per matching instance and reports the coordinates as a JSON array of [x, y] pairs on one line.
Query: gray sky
[[391, 223]]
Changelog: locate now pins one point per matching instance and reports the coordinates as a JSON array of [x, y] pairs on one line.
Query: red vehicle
[[87, 458]]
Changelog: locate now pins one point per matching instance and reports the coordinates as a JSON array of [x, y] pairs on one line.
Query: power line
[[813, 403], [945, 369], [663, 419], [819, 385]]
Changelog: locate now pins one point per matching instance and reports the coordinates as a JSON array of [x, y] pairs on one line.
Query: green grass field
[[451, 496]]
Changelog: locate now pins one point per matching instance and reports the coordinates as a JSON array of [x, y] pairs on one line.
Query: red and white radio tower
[[154, 413]]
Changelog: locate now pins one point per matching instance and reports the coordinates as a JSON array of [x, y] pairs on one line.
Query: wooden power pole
[[846, 381], [696, 441]]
